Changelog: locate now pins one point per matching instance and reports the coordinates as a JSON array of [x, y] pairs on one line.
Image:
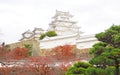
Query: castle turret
[[63, 24]]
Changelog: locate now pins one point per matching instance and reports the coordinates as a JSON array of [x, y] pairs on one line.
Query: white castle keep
[[67, 33]]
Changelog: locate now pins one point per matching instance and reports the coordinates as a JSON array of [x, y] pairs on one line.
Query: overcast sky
[[93, 16]]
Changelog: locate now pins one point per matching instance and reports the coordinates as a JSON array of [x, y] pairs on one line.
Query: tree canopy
[[107, 51], [78, 68]]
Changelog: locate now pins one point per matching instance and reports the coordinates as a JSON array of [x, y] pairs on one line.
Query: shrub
[[78, 68], [51, 33], [82, 64], [42, 36]]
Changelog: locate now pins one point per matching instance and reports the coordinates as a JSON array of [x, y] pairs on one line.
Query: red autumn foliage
[[42, 59], [19, 53], [4, 53], [55, 64], [64, 52]]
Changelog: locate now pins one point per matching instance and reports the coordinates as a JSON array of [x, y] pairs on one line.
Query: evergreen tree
[[107, 51], [78, 68]]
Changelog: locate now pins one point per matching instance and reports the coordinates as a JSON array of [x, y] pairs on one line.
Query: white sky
[[93, 16]]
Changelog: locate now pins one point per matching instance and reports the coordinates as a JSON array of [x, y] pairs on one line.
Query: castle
[[67, 33]]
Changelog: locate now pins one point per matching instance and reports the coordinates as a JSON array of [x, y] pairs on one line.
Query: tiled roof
[[38, 29]]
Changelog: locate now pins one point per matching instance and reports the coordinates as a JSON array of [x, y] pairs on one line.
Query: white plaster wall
[[81, 43], [86, 44], [57, 41]]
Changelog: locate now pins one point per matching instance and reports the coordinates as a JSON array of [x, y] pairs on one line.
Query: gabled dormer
[[27, 34]]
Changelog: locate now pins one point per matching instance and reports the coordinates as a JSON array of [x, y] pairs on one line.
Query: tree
[[99, 60], [107, 51], [78, 68]]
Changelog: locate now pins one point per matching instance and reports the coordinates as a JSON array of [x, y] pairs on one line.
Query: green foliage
[[91, 71], [111, 36], [98, 71], [95, 71], [51, 33], [107, 51], [110, 43], [100, 62], [29, 47], [99, 59], [98, 48], [30, 53], [75, 71], [113, 54], [110, 70], [116, 38], [42, 36], [78, 68], [82, 64]]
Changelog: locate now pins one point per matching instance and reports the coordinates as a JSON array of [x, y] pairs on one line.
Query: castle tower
[[32, 34], [37, 32], [63, 24]]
